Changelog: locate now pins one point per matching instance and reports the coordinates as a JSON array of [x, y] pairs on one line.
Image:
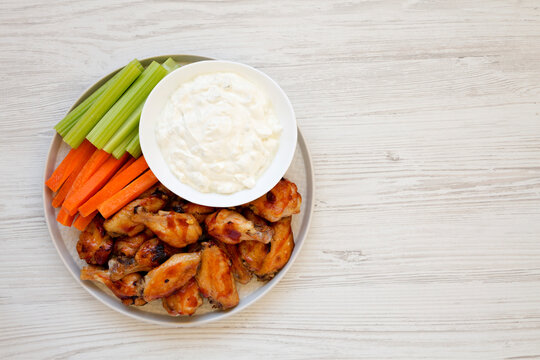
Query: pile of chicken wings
[[162, 247]]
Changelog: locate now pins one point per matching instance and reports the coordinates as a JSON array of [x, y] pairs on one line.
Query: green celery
[[134, 146], [133, 97], [74, 115], [103, 103], [131, 123], [121, 148], [170, 65]]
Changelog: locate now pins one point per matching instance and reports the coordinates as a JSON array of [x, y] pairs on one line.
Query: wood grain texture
[[423, 122]]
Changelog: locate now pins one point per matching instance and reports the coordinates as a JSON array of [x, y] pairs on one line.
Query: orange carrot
[[68, 165], [81, 222], [93, 184], [117, 183], [96, 160], [60, 196], [127, 194], [125, 166], [64, 218], [91, 166]]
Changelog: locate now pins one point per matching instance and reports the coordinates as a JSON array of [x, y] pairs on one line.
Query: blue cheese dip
[[218, 133]]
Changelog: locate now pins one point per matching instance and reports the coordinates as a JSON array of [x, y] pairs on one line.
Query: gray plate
[[65, 239]]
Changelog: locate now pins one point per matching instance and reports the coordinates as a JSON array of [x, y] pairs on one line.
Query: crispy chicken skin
[[95, 245], [257, 220], [159, 191], [170, 276], [252, 254], [281, 249], [200, 212], [215, 277], [175, 229], [240, 272], [184, 301], [231, 227], [162, 247], [128, 246], [151, 253], [122, 222], [126, 289], [282, 201]]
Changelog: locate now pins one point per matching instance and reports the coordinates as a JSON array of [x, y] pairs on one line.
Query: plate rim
[[160, 319]]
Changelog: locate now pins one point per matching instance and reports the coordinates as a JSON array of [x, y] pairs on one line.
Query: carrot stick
[[96, 160], [81, 222], [117, 183], [126, 165], [64, 218], [88, 169], [127, 194], [93, 184], [67, 166], [58, 199], [60, 196]]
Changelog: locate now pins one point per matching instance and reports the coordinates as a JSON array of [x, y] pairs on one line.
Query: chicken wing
[[151, 254], [95, 245], [195, 247], [175, 229], [215, 278], [282, 201], [159, 191], [128, 246], [200, 212], [240, 272], [170, 276], [122, 222], [185, 301], [281, 249], [126, 289], [231, 227], [252, 254]]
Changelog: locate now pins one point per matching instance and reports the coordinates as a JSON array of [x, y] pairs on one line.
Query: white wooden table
[[424, 125]]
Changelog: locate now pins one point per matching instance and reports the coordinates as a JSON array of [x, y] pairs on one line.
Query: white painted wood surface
[[424, 126]]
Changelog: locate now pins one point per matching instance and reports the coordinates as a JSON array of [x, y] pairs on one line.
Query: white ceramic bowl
[[152, 112]]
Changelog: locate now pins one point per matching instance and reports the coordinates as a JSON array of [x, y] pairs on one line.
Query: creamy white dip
[[218, 133]]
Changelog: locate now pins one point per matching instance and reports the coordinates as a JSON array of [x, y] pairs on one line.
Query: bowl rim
[[153, 318], [152, 152]]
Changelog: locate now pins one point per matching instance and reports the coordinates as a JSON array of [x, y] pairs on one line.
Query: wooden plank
[[423, 123]]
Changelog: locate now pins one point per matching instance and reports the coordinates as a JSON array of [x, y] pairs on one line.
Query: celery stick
[[70, 119], [102, 104], [125, 130], [132, 121], [121, 148], [134, 146], [74, 115], [134, 96], [117, 153], [170, 65]]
